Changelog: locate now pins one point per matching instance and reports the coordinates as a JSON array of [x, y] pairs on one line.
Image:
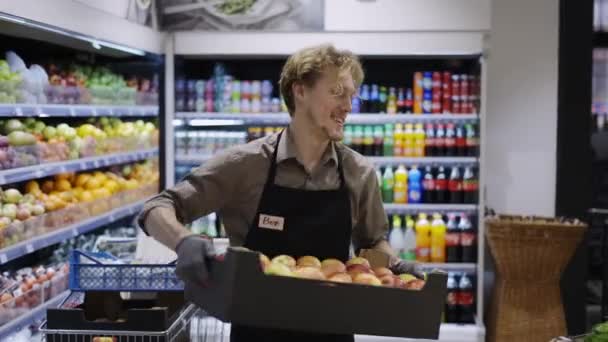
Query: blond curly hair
[[307, 65]]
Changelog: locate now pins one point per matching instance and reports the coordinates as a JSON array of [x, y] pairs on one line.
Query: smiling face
[[326, 103]]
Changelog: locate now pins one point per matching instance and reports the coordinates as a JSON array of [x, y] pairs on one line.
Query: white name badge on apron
[[271, 222]]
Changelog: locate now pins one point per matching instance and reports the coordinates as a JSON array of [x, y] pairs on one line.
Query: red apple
[[309, 261], [341, 278], [355, 269], [330, 267], [382, 271], [308, 272], [398, 282], [387, 280], [358, 260], [416, 284], [367, 279], [264, 261], [285, 260]]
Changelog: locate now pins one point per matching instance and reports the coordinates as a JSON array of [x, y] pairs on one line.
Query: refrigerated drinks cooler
[[418, 118]]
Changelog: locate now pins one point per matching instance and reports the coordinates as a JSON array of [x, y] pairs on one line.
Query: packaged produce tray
[[104, 272], [105, 316], [239, 292]]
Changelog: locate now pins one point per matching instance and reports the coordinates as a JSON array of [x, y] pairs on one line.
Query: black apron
[[315, 223]]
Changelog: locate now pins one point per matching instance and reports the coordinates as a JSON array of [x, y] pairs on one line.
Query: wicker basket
[[531, 254]]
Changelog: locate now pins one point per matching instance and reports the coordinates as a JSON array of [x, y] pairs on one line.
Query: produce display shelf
[[380, 161], [448, 332], [31, 316], [42, 170], [29, 246], [202, 118], [427, 207], [58, 110]]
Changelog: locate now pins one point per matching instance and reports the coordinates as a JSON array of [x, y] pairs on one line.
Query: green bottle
[[388, 182], [388, 141]]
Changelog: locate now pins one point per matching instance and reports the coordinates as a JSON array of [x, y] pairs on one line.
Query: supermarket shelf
[[448, 332], [201, 158], [468, 267], [49, 169], [422, 160], [49, 110], [31, 316], [283, 118], [394, 207], [26, 247]]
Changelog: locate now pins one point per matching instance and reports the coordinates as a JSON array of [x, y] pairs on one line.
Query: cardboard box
[[108, 311], [239, 292]]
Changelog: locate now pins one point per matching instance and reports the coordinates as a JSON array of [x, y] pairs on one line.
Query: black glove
[[399, 266], [193, 254]]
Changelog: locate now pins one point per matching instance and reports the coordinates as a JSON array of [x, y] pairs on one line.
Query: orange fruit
[[32, 187], [82, 179], [63, 185], [92, 183], [67, 196], [86, 196], [48, 186]]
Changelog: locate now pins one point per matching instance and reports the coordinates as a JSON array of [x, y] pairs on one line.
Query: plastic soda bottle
[[438, 231], [388, 183], [419, 140], [408, 141], [400, 190], [423, 239]]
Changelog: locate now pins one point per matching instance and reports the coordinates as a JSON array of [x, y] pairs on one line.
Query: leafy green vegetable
[[231, 7]]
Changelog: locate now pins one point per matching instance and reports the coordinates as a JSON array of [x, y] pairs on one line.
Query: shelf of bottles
[[423, 142]]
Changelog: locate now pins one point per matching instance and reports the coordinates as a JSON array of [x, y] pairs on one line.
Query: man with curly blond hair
[[298, 192]]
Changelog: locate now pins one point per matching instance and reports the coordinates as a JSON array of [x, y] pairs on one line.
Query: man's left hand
[[411, 267]]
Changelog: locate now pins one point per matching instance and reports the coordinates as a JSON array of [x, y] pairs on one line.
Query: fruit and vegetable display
[[27, 288], [356, 270], [599, 333], [31, 141], [9, 83], [71, 84], [44, 205]]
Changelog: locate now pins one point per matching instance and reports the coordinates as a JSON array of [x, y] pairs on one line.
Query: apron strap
[[272, 171]]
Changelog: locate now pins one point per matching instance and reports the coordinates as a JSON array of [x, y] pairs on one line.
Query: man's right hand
[[193, 252]]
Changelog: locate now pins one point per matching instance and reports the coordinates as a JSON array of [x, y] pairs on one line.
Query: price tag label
[[94, 111], [29, 248], [131, 211], [39, 173], [72, 111], [18, 111], [17, 292], [112, 218], [3, 258], [75, 232], [96, 163]]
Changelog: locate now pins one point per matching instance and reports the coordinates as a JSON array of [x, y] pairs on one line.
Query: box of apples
[[329, 296]]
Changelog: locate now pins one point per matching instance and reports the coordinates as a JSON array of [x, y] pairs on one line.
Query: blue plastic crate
[[99, 272]]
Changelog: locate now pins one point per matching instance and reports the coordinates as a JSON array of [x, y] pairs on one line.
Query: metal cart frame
[[178, 331]]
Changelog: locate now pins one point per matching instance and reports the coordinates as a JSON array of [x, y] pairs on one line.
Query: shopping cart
[[179, 331], [104, 272], [205, 328]]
